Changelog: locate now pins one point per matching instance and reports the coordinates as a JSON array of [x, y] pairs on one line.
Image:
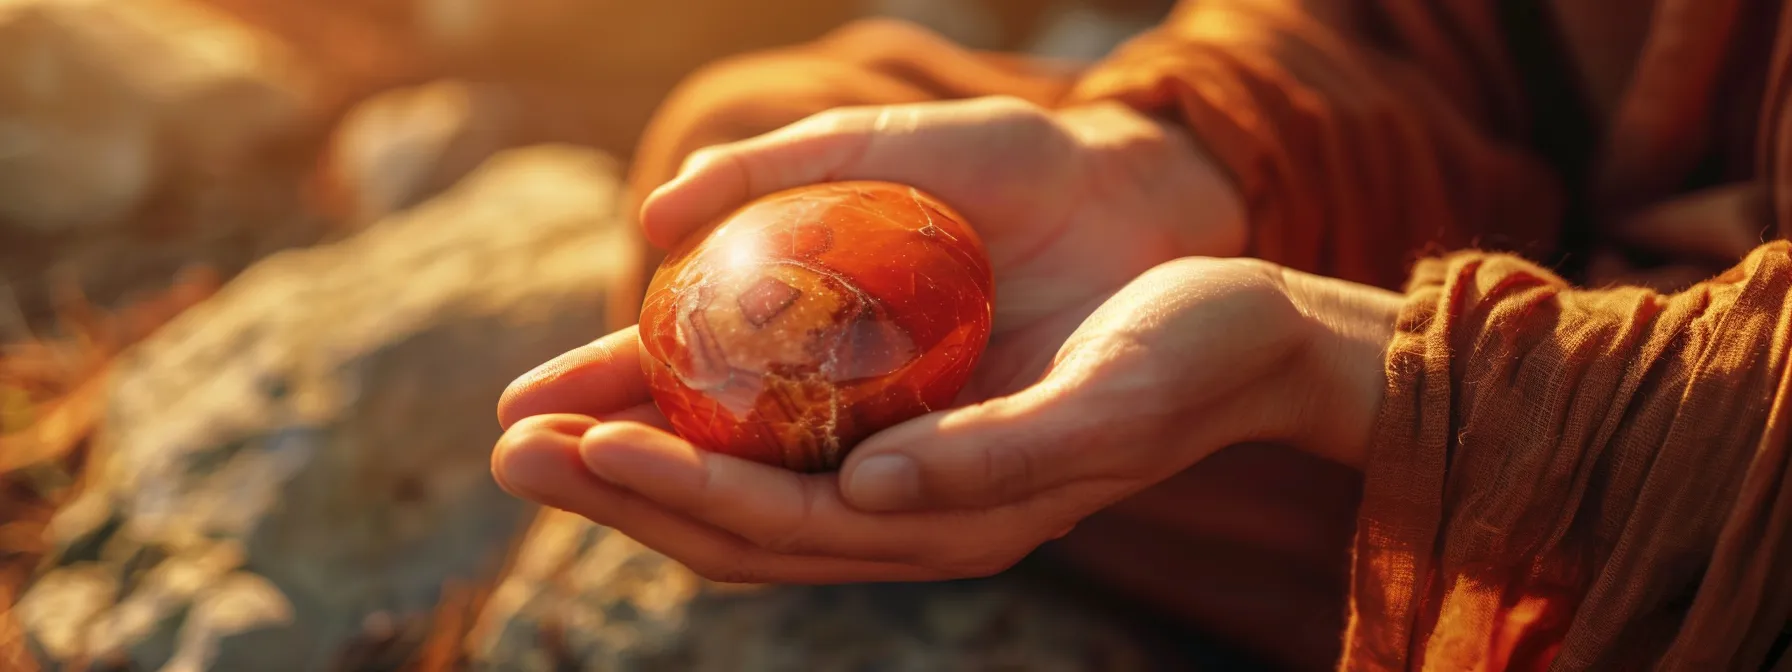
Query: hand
[[1190, 357], [1689, 239], [1072, 204]]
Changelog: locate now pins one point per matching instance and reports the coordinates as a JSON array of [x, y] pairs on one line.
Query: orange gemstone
[[809, 319]]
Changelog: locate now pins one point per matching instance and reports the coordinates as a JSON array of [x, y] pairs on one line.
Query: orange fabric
[[1562, 477], [1208, 548], [1353, 158], [862, 63], [1589, 479], [1366, 133]]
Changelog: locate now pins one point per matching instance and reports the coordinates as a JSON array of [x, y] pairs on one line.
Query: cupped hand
[[1072, 203], [1189, 357], [1097, 381]]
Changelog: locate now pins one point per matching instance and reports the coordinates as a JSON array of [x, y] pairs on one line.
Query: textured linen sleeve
[[1360, 133], [1597, 479]]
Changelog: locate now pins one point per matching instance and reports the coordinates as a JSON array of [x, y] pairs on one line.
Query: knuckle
[[1008, 471], [738, 74], [832, 121], [1123, 366], [874, 40], [702, 156], [617, 432]]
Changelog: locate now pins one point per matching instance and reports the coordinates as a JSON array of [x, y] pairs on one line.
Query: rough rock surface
[[581, 597], [100, 97], [406, 145], [305, 455], [138, 136], [589, 72]]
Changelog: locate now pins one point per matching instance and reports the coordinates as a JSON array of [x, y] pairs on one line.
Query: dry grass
[[444, 649], [51, 393]]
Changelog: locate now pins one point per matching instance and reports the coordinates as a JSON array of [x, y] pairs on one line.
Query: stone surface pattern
[[405, 145], [814, 317]]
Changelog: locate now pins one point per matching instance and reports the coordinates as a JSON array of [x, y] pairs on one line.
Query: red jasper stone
[[809, 319]]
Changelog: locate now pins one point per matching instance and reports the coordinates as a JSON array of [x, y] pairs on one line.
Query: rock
[[405, 145], [590, 72], [581, 597], [358, 46], [593, 72], [305, 454], [139, 136], [101, 96]]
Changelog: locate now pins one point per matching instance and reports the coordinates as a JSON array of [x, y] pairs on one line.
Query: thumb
[[1001, 451], [717, 179], [953, 149]]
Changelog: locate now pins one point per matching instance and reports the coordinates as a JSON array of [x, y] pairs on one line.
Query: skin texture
[[1121, 353]]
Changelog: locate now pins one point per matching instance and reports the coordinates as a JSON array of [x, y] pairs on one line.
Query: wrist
[[1349, 328], [1134, 157]]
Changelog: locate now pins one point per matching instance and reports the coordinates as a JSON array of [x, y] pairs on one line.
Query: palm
[[1060, 238], [1050, 275], [1067, 219], [1072, 225]]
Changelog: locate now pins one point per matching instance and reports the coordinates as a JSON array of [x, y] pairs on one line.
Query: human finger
[[538, 460], [595, 379], [996, 453], [954, 150], [802, 514]]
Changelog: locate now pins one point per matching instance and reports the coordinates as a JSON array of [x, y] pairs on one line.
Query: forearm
[[1348, 154], [1350, 326]]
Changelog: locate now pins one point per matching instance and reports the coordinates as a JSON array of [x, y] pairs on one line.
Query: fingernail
[[885, 482]]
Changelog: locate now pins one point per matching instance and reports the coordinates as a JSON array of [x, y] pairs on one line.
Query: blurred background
[[265, 266]]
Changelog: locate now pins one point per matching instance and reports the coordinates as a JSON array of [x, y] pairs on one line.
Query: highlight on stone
[[792, 329]]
